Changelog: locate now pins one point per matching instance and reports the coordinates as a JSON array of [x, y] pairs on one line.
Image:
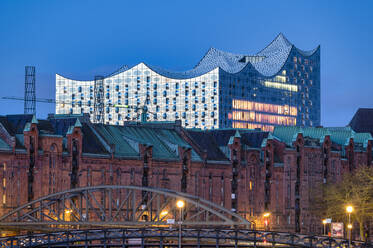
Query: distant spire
[[77, 123], [237, 134], [34, 120]]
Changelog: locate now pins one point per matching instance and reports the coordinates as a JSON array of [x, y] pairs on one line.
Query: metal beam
[[67, 208], [156, 236]]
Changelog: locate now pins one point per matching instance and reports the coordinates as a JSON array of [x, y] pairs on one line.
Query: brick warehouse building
[[248, 171]]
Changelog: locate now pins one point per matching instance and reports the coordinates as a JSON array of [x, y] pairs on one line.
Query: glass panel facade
[[278, 86]]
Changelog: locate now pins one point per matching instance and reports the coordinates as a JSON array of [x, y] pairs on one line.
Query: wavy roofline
[[57, 74], [280, 35], [193, 73]]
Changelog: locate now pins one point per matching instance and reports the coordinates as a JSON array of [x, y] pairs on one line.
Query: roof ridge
[[277, 38]]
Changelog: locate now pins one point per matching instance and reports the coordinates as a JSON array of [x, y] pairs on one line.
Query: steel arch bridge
[[132, 216], [119, 206]]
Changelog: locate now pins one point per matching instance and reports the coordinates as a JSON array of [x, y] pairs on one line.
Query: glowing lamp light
[[324, 221], [267, 214], [68, 211], [349, 209], [164, 212], [180, 203], [349, 226]]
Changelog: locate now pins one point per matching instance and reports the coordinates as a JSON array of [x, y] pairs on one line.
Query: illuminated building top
[[279, 76]]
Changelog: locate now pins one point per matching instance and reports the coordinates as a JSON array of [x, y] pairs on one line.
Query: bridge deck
[[166, 237]]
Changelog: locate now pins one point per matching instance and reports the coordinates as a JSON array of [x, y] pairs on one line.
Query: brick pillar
[[31, 142], [298, 176]]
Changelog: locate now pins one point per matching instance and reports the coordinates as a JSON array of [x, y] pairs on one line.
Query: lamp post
[[324, 223], [180, 204], [68, 216], [266, 215], [349, 210]]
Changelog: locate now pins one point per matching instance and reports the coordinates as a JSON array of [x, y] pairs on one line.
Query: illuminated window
[[252, 126], [281, 86], [264, 107], [264, 118]]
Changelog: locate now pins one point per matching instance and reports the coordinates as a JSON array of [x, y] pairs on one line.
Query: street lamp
[[67, 214], [324, 223], [266, 215], [349, 210], [180, 204]]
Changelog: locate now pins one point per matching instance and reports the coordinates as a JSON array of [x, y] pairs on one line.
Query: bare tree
[[355, 189]]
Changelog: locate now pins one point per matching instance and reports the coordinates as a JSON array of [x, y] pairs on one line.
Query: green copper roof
[[237, 134], [114, 136], [337, 135], [27, 127], [77, 123], [34, 120], [165, 142], [4, 145]]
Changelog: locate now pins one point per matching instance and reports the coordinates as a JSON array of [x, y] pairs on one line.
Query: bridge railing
[[169, 237]]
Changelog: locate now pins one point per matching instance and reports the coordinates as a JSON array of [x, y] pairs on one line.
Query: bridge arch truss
[[119, 206]]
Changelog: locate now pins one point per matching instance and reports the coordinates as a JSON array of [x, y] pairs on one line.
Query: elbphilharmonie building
[[280, 85]]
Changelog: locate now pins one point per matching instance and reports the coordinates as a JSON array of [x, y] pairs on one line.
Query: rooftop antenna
[[30, 98]]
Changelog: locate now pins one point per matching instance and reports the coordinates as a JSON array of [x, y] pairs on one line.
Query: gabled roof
[[339, 135], [362, 120], [164, 141], [208, 144], [4, 146], [91, 142], [215, 142]]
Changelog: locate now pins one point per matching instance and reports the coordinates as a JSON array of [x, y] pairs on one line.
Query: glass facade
[[166, 98], [278, 86]]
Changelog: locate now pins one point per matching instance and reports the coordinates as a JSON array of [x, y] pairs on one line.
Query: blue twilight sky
[[81, 39]]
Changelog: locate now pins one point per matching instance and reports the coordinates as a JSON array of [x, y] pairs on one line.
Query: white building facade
[[194, 101]]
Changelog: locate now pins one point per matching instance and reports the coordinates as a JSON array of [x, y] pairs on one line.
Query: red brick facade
[[274, 177]]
